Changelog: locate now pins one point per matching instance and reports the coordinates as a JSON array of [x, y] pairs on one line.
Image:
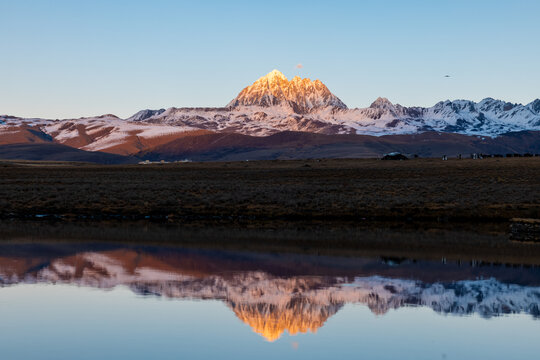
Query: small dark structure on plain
[[394, 156], [525, 230]]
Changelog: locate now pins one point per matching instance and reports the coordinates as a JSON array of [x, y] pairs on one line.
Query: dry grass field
[[420, 189]]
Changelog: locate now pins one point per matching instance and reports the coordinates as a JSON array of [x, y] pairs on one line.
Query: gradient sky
[[62, 58]]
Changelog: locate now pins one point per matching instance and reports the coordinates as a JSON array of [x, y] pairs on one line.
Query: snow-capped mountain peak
[[275, 74], [145, 114], [382, 103], [300, 95]]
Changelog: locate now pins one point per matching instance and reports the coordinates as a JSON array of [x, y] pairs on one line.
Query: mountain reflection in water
[[277, 293]]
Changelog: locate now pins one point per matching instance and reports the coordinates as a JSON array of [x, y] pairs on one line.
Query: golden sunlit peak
[[300, 95], [275, 73]]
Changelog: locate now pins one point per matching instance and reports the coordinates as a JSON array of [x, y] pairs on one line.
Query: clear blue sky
[[62, 58]]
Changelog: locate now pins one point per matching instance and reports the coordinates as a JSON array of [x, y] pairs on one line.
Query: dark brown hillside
[[23, 135], [291, 145], [58, 152]]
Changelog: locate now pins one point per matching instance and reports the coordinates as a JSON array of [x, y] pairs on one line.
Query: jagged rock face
[[145, 114], [301, 95], [535, 106]]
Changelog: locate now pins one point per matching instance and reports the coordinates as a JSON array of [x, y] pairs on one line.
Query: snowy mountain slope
[[96, 134], [102, 133], [489, 118], [253, 120]]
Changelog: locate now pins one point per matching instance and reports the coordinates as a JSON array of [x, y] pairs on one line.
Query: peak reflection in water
[[275, 293]]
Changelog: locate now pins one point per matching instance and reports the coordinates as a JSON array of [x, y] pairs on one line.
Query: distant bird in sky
[[446, 76]]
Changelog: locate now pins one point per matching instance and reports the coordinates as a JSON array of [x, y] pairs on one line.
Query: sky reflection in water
[[96, 301]]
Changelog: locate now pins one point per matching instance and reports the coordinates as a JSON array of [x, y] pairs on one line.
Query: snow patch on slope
[[117, 131]]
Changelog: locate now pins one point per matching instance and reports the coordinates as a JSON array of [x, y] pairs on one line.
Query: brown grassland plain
[[423, 189]]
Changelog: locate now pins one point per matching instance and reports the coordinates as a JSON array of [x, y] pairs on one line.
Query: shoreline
[[488, 243]]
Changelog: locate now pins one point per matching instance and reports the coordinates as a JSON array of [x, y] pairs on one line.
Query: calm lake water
[[65, 300]]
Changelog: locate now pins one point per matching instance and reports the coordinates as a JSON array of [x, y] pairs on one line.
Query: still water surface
[[97, 301]]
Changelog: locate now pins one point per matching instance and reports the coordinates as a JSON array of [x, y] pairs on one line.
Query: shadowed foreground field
[[427, 189]]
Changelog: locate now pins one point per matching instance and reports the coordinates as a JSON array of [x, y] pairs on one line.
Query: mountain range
[[273, 104], [322, 125]]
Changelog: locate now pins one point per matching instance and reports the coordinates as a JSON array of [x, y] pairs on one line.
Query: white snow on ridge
[[488, 117]]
